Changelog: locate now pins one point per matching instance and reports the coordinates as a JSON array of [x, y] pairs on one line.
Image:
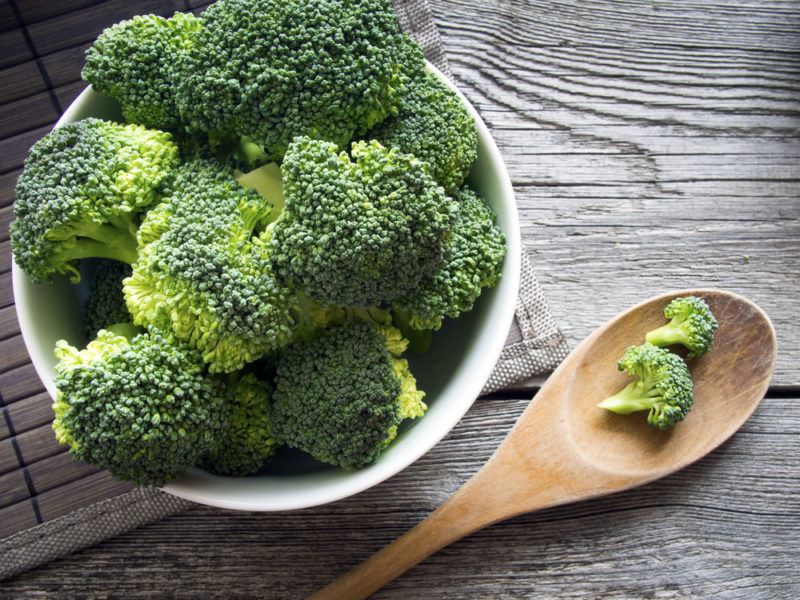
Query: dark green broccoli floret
[[362, 232], [341, 396], [246, 441], [106, 304], [139, 407], [138, 63], [272, 70], [434, 125], [80, 194], [662, 386], [204, 273], [473, 260], [692, 325]]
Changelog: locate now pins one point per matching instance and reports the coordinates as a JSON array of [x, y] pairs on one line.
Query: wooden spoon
[[563, 448]]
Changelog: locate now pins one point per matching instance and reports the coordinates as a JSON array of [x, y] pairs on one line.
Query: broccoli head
[[141, 408], [342, 395], [80, 194], [203, 271], [246, 441], [434, 125], [137, 62], [473, 260], [691, 324], [106, 304], [272, 70], [361, 232], [662, 386]]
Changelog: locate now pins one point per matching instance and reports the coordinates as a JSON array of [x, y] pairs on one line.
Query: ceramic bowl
[[453, 372]]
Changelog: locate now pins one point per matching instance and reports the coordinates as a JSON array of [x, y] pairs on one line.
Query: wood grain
[[652, 147], [722, 528]]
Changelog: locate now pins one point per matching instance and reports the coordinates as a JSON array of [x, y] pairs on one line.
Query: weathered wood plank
[[601, 548], [8, 322], [643, 167], [30, 413]]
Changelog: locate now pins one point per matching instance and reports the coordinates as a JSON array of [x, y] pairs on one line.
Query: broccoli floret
[[203, 271], [662, 386], [272, 70], [434, 125], [473, 260], [138, 63], [80, 194], [106, 304], [246, 441], [342, 395], [362, 232], [692, 324], [141, 408]]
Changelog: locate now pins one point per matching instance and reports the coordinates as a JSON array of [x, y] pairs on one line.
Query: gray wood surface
[[653, 145]]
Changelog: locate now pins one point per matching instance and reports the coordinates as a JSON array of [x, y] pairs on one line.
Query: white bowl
[[452, 373]]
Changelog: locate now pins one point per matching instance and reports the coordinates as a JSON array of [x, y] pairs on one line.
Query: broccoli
[[272, 70], [434, 125], [692, 324], [342, 395], [203, 271], [136, 405], [106, 304], [138, 63], [473, 260], [80, 194], [360, 233], [246, 442], [662, 386]]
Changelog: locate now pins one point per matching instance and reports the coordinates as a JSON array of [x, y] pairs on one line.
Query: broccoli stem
[[666, 335], [632, 398], [117, 242]]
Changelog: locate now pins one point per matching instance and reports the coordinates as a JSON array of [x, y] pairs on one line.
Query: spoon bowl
[[564, 448], [729, 382]]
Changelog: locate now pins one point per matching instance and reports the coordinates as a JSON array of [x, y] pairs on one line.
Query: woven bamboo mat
[[42, 44]]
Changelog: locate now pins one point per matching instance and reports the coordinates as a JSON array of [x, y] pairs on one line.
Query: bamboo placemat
[[42, 45]]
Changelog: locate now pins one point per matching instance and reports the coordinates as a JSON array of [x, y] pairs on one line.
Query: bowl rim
[[356, 481]]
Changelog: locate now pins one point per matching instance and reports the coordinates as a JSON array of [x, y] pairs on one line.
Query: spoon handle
[[461, 515]]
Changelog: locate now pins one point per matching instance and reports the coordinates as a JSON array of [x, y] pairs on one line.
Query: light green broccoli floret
[[106, 304], [342, 395], [246, 442], [662, 386], [434, 125], [81, 192], [141, 408], [358, 232], [692, 324], [203, 272], [138, 63], [272, 70], [473, 260]]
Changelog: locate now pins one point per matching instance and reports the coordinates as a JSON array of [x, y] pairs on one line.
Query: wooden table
[[653, 145]]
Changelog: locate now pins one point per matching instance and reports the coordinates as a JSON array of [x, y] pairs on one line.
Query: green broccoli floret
[[272, 70], [138, 63], [362, 232], [106, 304], [662, 386], [692, 325], [136, 405], [80, 194], [203, 272], [434, 125], [246, 441], [473, 260], [341, 396]]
